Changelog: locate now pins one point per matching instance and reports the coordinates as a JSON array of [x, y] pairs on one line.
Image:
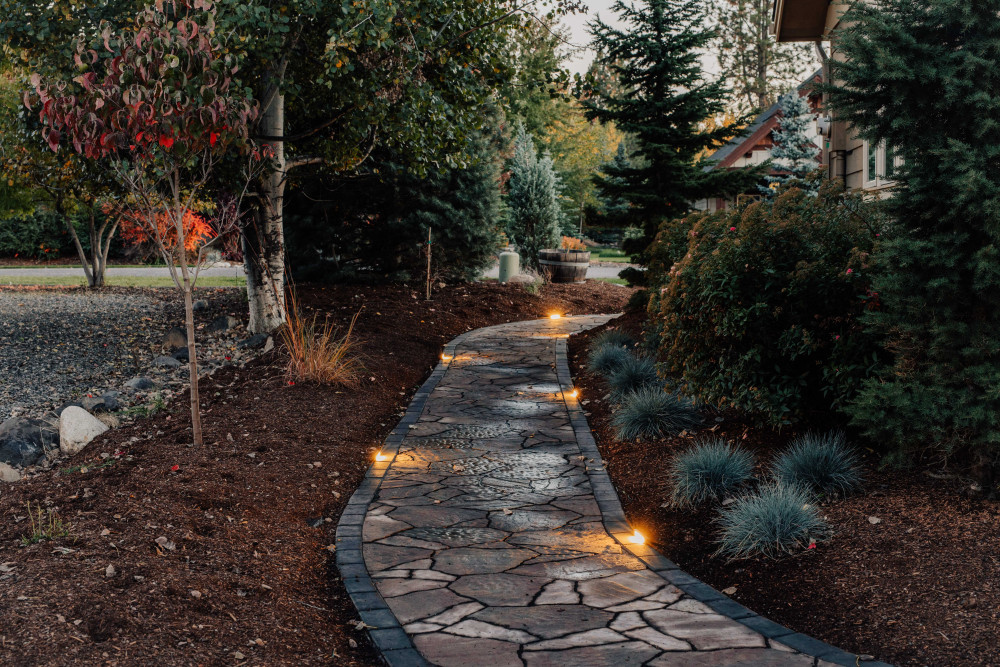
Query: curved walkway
[[491, 534]]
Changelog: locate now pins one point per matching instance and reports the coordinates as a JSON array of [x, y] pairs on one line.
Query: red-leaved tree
[[157, 102]]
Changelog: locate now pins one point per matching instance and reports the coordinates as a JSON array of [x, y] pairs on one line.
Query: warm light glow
[[379, 456], [445, 357], [574, 393], [637, 538], [555, 316]]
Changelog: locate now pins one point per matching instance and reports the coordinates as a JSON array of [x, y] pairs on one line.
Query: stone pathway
[[491, 534]]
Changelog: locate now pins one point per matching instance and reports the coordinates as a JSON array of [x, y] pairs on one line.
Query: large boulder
[[24, 441], [175, 338], [77, 428], [8, 473]]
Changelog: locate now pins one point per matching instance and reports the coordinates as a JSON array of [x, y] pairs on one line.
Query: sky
[[577, 25]]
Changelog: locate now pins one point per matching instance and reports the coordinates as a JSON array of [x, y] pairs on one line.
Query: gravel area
[[58, 345]]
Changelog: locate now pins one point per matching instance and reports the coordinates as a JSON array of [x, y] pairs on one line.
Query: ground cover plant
[[774, 520], [819, 462], [244, 518], [650, 412], [634, 373], [710, 471], [606, 359]]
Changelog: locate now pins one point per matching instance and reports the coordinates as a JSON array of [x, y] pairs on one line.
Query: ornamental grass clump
[[606, 359], [633, 374], [709, 472], [650, 413], [613, 338], [776, 519], [317, 351], [822, 463]]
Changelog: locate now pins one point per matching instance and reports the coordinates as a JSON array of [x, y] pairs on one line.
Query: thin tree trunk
[[192, 360], [79, 246], [264, 245]]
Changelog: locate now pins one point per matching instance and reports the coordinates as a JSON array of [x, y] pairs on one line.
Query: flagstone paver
[[493, 535]]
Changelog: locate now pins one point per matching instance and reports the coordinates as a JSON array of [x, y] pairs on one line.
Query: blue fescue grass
[[606, 359], [821, 463], [709, 472], [650, 413], [776, 519], [613, 337], [633, 374]]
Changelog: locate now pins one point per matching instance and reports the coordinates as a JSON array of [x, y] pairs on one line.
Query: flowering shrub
[[570, 243], [763, 310]]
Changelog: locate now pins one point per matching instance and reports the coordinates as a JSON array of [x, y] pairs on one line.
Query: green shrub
[[708, 472], [821, 463], [633, 374], [613, 337], [651, 413], [763, 311], [774, 520]]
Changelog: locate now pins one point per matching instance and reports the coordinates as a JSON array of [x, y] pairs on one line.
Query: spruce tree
[[920, 77], [534, 213], [794, 151], [663, 99]]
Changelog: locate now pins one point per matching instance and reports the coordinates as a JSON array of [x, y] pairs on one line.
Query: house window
[[881, 165]]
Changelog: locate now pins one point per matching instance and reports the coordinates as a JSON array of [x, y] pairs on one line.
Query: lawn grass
[[613, 281], [608, 255], [119, 281]]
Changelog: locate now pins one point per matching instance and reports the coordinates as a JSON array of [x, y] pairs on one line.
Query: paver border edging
[[392, 642], [615, 523]]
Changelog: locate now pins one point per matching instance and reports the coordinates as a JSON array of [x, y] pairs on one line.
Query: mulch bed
[[911, 575], [220, 555]]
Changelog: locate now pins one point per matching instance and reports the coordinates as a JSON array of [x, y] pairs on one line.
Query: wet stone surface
[[485, 538]]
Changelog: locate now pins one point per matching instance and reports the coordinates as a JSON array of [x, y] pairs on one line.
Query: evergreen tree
[[794, 151], [534, 214], [664, 96], [920, 77], [616, 208]]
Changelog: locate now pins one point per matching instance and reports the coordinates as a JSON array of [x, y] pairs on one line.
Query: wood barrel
[[564, 266]]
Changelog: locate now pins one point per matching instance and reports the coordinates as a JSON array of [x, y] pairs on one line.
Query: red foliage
[[136, 231]]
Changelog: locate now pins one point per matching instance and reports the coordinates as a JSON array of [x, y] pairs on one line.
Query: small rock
[[175, 338], [729, 591], [93, 404], [139, 384], [269, 345], [195, 594], [200, 305], [109, 572], [182, 355], [166, 362], [9, 473], [874, 520], [254, 342], [111, 402], [77, 428], [224, 323]]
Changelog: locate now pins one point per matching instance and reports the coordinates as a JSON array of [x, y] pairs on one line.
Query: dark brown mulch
[[243, 573], [919, 586]]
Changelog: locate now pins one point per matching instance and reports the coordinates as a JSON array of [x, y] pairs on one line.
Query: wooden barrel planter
[[564, 266]]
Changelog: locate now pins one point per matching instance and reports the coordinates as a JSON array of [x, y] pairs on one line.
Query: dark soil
[[222, 555], [911, 574]]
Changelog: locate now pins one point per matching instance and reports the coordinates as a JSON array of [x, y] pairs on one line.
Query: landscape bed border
[[387, 633]]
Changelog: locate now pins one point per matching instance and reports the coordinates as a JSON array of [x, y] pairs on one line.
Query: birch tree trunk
[[264, 240]]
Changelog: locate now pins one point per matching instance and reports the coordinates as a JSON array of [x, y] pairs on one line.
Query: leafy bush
[[34, 236], [606, 359], [650, 413], [613, 337], [633, 374], [820, 462], [774, 520], [763, 311], [710, 471]]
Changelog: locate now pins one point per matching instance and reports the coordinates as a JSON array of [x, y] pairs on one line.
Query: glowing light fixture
[[637, 538], [379, 456], [574, 393], [445, 357], [555, 316]]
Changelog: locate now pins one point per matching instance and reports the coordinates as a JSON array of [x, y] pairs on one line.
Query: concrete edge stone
[[614, 517], [392, 643]]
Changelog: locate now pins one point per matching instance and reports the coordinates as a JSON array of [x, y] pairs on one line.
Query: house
[[862, 166], [754, 145]]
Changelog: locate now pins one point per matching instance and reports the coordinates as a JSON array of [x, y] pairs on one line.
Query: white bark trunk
[[264, 242]]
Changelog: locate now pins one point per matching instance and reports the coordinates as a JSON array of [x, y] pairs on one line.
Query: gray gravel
[[59, 345]]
